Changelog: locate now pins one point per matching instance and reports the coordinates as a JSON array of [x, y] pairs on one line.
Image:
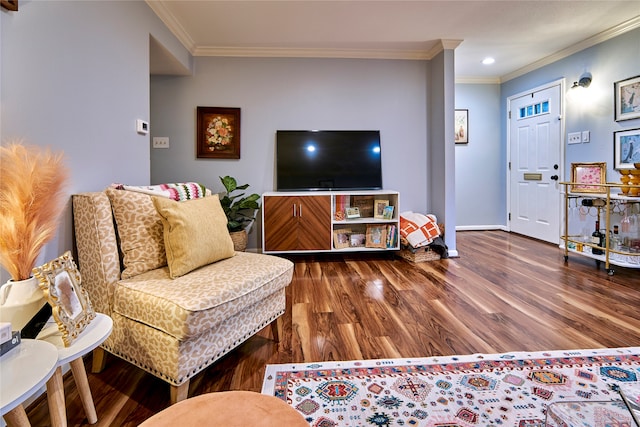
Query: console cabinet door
[[314, 223], [293, 223]]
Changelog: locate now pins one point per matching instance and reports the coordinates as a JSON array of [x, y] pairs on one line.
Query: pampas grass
[[32, 198]]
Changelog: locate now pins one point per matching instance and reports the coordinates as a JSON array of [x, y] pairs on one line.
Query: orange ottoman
[[230, 409]]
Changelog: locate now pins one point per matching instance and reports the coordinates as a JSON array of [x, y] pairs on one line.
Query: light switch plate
[[574, 138], [586, 136], [160, 142]]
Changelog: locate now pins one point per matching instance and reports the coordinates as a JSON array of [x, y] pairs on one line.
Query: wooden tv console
[[316, 221]]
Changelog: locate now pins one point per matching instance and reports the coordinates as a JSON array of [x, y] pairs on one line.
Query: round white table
[[24, 370], [93, 335]]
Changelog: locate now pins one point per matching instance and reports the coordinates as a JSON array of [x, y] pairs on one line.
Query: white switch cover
[[586, 136], [160, 142], [574, 138]]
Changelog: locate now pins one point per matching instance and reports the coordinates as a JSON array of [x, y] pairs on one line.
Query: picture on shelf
[[388, 212], [376, 236], [378, 208], [341, 238], [365, 204], [357, 240], [353, 212]]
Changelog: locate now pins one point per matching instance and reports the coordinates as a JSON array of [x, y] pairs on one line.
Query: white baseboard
[[481, 227]]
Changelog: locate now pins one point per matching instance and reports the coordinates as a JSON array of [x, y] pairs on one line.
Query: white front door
[[535, 151]]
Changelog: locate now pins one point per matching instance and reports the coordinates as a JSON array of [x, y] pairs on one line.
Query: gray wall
[[75, 77], [480, 164], [608, 62], [294, 94]]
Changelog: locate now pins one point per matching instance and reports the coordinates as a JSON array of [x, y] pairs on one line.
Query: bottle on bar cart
[[597, 238]]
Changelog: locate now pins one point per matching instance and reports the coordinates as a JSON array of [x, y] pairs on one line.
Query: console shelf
[[321, 221]]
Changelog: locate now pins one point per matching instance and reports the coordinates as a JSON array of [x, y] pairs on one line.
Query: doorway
[[535, 162]]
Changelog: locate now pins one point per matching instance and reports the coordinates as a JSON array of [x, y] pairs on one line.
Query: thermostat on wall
[[142, 127]]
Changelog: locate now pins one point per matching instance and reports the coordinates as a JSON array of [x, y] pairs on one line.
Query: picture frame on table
[[461, 120], [376, 236], [378, 208], [61, 284], [218, 133], [586, 177], [626, 148], [627, 99]]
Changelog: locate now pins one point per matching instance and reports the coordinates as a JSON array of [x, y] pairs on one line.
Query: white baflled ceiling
[[519, 34]]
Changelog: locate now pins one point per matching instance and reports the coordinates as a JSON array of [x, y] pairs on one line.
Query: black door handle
[[554, 177]]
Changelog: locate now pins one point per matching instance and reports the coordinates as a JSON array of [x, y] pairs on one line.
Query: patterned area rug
[[511, 389]]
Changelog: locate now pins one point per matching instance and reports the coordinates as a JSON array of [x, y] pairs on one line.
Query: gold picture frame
[[341, 238], [378, 208], [376, 236], [61, 283], [587, 177]]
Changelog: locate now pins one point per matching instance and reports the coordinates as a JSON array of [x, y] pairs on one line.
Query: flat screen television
[[328, 160]]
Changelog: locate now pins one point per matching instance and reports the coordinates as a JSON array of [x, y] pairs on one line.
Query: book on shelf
[[392, 236]]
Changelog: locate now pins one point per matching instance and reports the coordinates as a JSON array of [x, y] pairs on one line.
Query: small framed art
[[627, 99], [378, 208], [353, 212], [388, 212], [626, 148], [218, 133], [461, 119], [585, 177], [376, 236], [61, 283], [341, 238], [357, 240]]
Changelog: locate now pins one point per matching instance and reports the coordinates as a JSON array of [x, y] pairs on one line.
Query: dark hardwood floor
[[504, 293]]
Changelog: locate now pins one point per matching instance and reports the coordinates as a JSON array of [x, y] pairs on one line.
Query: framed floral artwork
[[627, 99], [626, 148], [218, 133], [586, 177]]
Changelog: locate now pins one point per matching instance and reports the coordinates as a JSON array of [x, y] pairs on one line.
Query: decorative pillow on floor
[[140, 231], [195, 233]]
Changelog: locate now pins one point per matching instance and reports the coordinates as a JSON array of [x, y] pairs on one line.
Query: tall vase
[[19, 301]]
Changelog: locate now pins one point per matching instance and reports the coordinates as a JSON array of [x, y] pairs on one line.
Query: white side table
[[93, 335], [23, 371]]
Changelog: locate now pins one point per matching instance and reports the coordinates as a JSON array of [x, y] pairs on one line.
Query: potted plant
[[239, 209], [32, 199]]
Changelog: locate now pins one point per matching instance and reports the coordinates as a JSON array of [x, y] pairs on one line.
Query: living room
[[83, 94]]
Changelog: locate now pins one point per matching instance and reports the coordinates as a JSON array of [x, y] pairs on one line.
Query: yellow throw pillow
[[195, 233]]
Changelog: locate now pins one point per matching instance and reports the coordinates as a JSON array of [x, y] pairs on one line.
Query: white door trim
[[562, 84]]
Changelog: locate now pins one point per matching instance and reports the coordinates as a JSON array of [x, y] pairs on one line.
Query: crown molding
[[477, 80], [262, 52], [627, 26], [172, 24]]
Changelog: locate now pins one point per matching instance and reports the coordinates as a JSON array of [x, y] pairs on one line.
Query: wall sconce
[[585, 81]]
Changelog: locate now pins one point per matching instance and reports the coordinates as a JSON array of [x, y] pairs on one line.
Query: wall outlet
[[586, 136], [160, 142], [574, 138]]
